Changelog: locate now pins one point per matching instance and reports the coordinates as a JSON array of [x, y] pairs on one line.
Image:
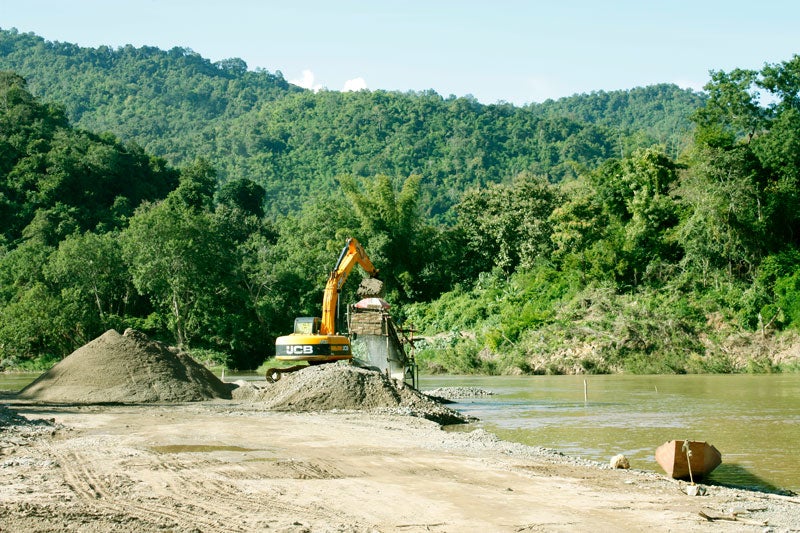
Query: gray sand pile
[[337, 386], [127, 368]]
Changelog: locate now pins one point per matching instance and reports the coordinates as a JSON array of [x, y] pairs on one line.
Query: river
[[754, 420]]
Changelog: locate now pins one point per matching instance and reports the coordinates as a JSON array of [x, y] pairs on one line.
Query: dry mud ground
[[226, 466]]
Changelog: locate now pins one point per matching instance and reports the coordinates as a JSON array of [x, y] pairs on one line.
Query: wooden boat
[[703, 458]]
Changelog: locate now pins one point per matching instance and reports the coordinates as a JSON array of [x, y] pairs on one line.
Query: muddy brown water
[[754, 420]]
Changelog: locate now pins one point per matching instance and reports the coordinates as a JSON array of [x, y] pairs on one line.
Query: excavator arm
[[353, 253]]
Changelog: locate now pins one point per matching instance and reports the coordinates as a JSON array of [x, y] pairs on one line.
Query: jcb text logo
[[299, 350]]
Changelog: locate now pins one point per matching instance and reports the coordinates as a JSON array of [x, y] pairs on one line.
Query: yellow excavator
[[315, 340]]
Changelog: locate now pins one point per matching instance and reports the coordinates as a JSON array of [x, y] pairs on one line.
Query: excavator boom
[[353, 253]]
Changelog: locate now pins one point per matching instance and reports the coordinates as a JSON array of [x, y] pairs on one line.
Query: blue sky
[[501, 50]]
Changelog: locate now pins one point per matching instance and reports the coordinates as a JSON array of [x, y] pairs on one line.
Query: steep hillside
[[255, 125], [160, 99], [56, 180]]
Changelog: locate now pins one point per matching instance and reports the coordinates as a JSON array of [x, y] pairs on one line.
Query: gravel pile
[[338, 386], [457, 393], [128, 368]]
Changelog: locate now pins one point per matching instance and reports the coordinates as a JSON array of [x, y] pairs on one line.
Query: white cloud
[[540, 88], [356, 84], [307, 81], [689, 84]]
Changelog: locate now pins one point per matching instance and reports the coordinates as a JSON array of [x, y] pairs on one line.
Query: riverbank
[[234, 466]]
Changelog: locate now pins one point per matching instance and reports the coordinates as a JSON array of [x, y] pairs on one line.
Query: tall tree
[[636, 193], [390, 223], [88, 270], [581, 226], [723, 225], [732, 111], [507, 225], [178, 258]]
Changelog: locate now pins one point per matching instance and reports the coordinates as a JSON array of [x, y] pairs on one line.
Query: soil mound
[[127, 368], [344, 387]]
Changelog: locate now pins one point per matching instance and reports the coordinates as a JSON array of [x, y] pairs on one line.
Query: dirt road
[[222, 466]]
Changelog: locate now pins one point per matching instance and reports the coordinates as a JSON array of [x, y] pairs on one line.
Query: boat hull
[[672, 458]]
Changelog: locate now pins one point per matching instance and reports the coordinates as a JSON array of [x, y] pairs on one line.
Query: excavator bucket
[[370, 288]]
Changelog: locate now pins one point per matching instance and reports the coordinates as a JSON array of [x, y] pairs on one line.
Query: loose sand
[[326, 449], [128, 368], [228, 466]]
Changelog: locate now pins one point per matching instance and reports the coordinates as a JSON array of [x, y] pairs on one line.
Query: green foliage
[[201, 270], [256, 126], [724, 223], [406, 249], [179, 261], [245, 195], [29, 326], [590, 234], [787, 300], [56, 180], [463, 356], [641, 209], [166, 101], [507, 225], [656, 114], [732, 111], [578, 222], [211, 358]]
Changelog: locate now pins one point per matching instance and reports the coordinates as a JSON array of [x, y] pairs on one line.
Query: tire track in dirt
[[192, 484], [198, 492], [182, 512], [229, 485]]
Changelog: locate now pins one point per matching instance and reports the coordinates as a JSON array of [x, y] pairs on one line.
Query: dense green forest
[[650, 230], [294, 143]]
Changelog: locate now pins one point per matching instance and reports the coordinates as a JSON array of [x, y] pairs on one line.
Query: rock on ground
[[17, 430], [619, 461]]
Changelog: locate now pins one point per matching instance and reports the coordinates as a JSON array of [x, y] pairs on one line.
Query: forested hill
[[161, 99], [255, 125], [658, 110], [204, 205]]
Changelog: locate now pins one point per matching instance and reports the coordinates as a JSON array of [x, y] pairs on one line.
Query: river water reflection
[[754, 420]]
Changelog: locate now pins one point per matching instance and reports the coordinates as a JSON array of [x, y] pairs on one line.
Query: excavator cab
[[307, 325]]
